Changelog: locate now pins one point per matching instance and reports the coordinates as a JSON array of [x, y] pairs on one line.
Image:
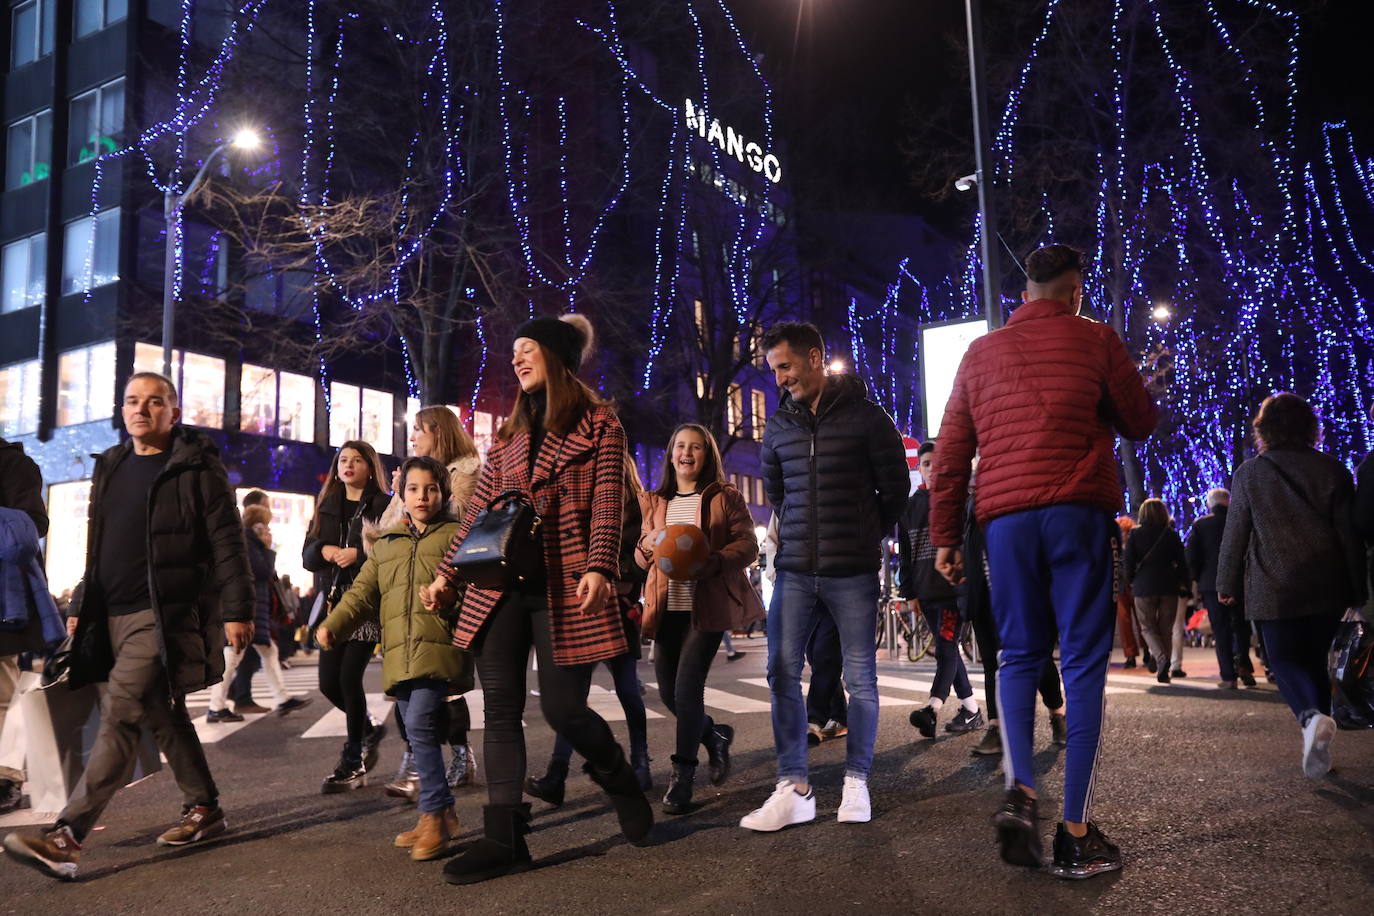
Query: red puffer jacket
[[1040, 401]]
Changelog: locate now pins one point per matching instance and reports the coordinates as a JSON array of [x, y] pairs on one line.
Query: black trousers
[[1231, 634], [825, 697], [502, 650], [985, 634], [682, 661], [341, 681]]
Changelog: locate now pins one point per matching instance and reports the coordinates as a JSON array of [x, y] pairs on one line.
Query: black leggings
[[459, 720], [341, 681], [985, 633], [503, 652], [682, 660]]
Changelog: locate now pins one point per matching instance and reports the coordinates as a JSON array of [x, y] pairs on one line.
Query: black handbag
[[502, 548]]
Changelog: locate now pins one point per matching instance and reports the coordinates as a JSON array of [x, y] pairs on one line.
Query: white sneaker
[[1316, 745], [783, 809], [854, 807]]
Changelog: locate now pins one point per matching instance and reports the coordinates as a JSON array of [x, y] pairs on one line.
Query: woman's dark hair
[[1286, 421], [1153, 512], [376, 470], [801, 336], [710, 469], [434, 468], [566, 397]]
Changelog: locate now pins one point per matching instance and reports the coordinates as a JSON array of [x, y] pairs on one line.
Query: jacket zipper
[[410, 592], [815, 515]]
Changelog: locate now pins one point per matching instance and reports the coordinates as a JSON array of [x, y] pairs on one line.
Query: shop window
[[258, 400], [377, 426], [86, 384], [19, 398], [21, 273], [28, 149], [296, 407], [91, 252], [273, 403], [67, 512], [345, 412], [97, 119], [199, 380]]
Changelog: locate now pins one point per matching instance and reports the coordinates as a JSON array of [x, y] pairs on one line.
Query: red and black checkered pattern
[[578, 489]]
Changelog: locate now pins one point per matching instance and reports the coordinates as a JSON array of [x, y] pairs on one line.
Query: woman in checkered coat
[[563, 448]]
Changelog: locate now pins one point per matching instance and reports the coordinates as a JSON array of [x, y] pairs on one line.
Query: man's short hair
[[1044, 265], [801, 336], [255, 498], [925, 447], [158, 377], [1218, 497]]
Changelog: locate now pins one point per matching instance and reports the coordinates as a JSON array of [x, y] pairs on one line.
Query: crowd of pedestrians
[[457, 567]]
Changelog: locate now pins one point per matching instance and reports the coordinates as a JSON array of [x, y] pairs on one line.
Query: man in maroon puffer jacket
[[1041, 402]]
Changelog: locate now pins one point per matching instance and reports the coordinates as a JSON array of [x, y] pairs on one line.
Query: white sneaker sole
[[1316, 756], [854, 817]]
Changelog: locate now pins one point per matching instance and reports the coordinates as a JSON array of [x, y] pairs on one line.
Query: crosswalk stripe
[[334, 724], [882, 700], [606, 704]]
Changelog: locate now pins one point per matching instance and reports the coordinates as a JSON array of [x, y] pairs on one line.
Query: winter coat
[[416, 643], [578, 488], [1040, 401], [1204, 548], [1290, 547], [29, 621], [21, 484], [1364, 521], [1155, 563], [722, 599], [263, 561], [336, 531], [916, 554], [462, 479], [837, 479], [199, 566]]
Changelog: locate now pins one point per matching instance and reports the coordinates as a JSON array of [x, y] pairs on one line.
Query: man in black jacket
[[1230, 629], [835, 471], [167, 580]]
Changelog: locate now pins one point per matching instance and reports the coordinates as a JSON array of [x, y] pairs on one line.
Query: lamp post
[[172, 202], [987, 248]]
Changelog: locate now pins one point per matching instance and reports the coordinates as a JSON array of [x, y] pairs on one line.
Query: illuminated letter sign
[[733, 143]]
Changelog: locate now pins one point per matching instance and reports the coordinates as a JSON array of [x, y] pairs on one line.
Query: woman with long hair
[[1157, 571], [562, 448], [333, 551], [1290, 547], [437, 433], [686, 618]]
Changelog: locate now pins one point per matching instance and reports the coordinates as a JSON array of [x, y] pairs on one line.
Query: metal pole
[[982, 147], [170, 205]]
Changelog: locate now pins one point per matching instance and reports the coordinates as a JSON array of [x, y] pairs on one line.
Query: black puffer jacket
[[21, 484], [199, 573], [1155, 565], [837, 479], [336, 531], [1204, 548], [263, 561]]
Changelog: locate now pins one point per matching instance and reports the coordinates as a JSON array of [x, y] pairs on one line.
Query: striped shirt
[[682, 510]]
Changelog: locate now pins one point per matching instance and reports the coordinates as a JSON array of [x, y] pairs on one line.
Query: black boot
[[717, 740], [372, 743], [549, 787], [500, 851], [639, 762], [678, 800], [622, 785], [349, 774]]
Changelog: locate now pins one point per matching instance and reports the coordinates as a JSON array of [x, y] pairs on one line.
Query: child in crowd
[[420, 664]]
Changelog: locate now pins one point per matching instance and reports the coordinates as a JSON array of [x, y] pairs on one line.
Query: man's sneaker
[[1018, 829], [813, 735], [1059, 728], [1178, 672], [965, 721], [293, 704], [462, 768], [197, 824], [54, 851], [854, 806], [784, 808], [1317, 733], [222, 715], [1076, 858], [832, 730], [924, 720], [991, 745]]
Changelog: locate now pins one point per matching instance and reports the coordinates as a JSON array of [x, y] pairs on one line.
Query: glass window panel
[[111, 114], [49, 26], [105, 258], [38, 266], [760, 497], [67, 510], [90, 15], [258, 400], [14, 276], [759, 411], [19, 154], [378, 411], [735, 412], [115, 10], [345, 407], [85, 384], [296, 407], [76, 255], [24, 30], [83, 131], [19, 398], [482, 426], [148, 358], [202, 390]]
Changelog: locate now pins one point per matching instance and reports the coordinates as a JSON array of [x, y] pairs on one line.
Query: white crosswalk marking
[[882, 700], [334, 724], [606, 704]]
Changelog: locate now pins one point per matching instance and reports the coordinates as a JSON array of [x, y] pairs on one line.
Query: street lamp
[[982, 177], [837, 365], [1162, 312], [246, 140]]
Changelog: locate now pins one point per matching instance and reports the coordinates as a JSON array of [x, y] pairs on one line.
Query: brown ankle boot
[[435, 835], [407, 840]]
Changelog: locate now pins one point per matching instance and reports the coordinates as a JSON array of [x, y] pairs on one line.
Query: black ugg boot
[[717, 740], [622, 785], [678, 799], [549, 787], [501, 850]]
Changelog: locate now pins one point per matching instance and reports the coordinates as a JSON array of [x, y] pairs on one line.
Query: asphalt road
[[1201, 789]]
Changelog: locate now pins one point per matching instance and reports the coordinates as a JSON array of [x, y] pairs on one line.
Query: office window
[[93, 15], [21, 273], [97, 119], [86, 384], [67, 512], [31, 28], [345, 411], [19, 398], [376, 428], [734, 412], [199, 380], [91, 255], [756, 345], [28, 150], [758, 411], [699, 315]]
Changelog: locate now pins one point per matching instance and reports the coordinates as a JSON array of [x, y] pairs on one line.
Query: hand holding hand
[[438, 594], [345, 557], [949, 562], [593, 590]]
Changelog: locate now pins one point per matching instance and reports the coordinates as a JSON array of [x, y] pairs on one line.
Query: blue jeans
[[421, 703], [799, 600]]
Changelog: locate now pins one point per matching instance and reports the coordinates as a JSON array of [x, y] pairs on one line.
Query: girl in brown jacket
[[686, 618]]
